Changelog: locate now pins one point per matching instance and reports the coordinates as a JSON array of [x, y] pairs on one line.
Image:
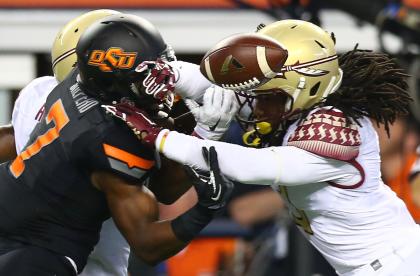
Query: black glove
[[212, 187]]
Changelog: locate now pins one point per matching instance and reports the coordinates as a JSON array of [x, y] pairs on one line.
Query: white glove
[[214, 116]]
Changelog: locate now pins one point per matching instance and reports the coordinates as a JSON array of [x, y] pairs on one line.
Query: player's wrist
[[161, 139], [188, 225]]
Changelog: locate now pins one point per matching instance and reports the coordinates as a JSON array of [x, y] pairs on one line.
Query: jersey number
[[299, 216], [58, 115]]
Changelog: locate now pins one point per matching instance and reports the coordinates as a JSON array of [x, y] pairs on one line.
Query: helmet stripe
[[63, 56], [307, 64]]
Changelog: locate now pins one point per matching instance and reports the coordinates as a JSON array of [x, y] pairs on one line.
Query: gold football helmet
[[63, 53], [309, 75]]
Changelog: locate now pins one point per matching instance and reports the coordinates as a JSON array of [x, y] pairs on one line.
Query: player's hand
[[159, 81], [212, 187], [143, 127], [214, 116]]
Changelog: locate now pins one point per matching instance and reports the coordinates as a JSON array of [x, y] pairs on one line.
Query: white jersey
[[342, 207], [353, 226], [110, 255], [29, 108]]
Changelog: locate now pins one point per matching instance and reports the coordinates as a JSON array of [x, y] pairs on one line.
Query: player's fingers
[[213, 161], [109, 109], [234, 105], [218, 98], [205, 153], [191, 172], [193, 106], [228, 98], [208, 96]]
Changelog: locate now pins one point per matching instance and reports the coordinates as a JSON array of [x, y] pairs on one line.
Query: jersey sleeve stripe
[[351, 186], [131, 160]]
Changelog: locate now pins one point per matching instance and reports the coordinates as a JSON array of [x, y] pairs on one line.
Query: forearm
[[170, 182], [236, 162], [157, 243], [137, 219], [190, 83], [7, 143], [275, 165]]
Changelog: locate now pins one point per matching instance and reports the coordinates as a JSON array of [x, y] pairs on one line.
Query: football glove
[[213, 188], [159, 81], [143, 127], [214, 116]]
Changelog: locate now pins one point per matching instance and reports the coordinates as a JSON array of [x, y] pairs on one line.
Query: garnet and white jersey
[[328, 172], [354, 223], [29, 108]]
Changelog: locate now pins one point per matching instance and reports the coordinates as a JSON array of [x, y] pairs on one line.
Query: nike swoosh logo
[[212, 128], [215, 186], [218, 195]]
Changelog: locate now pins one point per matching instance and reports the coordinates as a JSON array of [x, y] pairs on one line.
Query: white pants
[[398, 263], [110, 255]]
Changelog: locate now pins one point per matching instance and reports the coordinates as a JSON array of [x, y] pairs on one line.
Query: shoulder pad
[[327, 133]]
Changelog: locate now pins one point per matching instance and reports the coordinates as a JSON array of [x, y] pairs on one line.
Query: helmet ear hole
[[314, 89]]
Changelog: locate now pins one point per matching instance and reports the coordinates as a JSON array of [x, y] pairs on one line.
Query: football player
[[317, 147], [110, 256], [81, 166]]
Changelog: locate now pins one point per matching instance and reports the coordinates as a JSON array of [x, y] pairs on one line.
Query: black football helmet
[[124, 56]]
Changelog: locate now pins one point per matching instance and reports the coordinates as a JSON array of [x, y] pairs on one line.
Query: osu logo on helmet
[[116, 57]]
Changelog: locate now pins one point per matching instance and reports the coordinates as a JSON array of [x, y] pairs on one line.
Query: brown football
[[243, 61]]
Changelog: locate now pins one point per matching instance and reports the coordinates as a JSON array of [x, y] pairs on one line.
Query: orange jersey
[[400, 185], [203, 256]]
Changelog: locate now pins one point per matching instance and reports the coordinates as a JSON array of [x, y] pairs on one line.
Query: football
[[243, 61]]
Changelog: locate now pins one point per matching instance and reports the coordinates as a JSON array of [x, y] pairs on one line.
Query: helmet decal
[[113, 58], [304, 69]]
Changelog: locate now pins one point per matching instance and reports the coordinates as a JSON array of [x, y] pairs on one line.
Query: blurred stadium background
[[252, 239]]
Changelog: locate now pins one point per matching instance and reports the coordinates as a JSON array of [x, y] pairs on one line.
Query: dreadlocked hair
[[373, 85]]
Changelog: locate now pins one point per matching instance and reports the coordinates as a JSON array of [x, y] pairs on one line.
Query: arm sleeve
[[118, 151], [190, 82], [286, 165]]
